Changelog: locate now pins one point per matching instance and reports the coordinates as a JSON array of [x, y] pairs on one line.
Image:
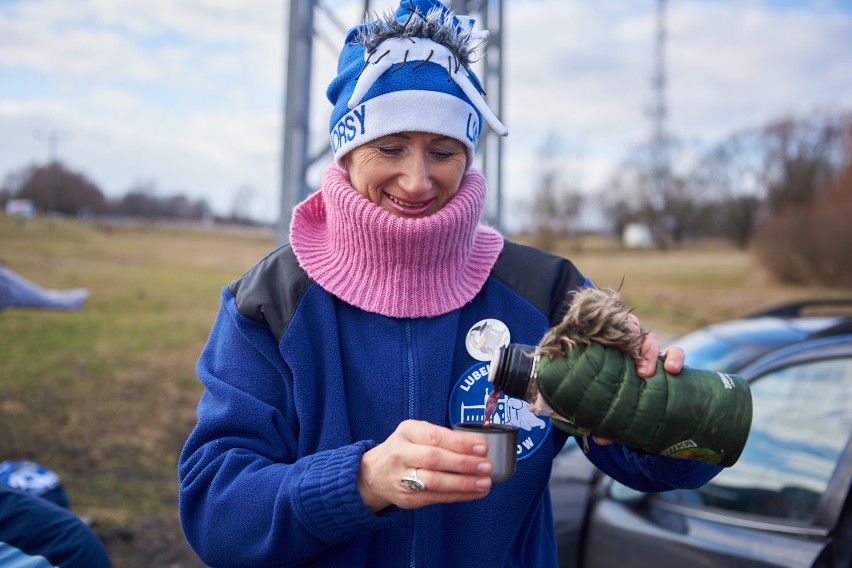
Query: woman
[[338, 364]]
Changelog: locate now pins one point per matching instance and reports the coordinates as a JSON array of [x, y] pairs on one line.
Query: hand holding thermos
[[583, 375]]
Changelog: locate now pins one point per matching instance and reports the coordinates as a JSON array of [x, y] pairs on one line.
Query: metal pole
[[296, 113], [487, 82], [490, 150], [500, 68]]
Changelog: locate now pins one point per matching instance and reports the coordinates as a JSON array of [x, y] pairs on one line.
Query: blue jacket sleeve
[[648, 472], [36, 532], [247, 496]]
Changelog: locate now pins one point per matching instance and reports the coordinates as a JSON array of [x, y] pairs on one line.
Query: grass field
[[105, 396]]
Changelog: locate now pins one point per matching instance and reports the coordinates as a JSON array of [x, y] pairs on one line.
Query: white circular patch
[[485, 338]]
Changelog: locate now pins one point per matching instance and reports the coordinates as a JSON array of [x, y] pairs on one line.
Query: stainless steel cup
[[502, 446]]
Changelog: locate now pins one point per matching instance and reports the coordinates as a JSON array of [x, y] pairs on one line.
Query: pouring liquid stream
[[490, 407]]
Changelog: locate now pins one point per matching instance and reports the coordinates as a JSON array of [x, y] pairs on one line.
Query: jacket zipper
[[409, 356]]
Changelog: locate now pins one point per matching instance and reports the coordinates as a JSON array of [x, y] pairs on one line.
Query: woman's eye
[[389, 150], [443, 155]]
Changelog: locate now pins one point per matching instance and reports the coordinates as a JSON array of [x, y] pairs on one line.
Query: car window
[[802, 422]]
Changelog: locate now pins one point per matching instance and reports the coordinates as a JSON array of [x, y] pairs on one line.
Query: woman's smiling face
[[410, 174]]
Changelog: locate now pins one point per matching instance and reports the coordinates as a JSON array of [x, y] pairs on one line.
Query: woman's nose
[[414, 177]]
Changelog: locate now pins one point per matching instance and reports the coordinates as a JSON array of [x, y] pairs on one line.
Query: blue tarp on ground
[[18, 292]]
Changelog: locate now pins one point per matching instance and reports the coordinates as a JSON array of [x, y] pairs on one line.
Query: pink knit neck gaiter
[[394, 266]]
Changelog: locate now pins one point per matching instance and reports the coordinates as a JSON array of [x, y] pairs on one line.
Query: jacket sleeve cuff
[[667, 473], [648, 472], [327, 499]]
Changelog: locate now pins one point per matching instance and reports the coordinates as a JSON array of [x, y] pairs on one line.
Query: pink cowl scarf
[[390, 265]]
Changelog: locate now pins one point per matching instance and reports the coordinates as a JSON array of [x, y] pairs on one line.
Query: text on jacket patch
[[471, 379]]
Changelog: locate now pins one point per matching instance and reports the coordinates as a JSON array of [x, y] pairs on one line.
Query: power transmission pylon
[[659, 110], [53, 138]]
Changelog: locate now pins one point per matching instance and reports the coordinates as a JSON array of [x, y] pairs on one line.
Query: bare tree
[[654, 196], [727, 191], [801, 156], [556, 206], [806, 239], [759, 172], [617, 202], [241, 206], [54, 188], [142, 202]]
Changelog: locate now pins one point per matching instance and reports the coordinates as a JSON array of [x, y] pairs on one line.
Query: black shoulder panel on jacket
[[544, 279], [271, 290]]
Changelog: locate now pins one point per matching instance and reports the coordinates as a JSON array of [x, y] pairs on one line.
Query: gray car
[[786, 502]]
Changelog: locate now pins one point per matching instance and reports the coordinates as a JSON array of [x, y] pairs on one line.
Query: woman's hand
[[650, 353], [452, 466]]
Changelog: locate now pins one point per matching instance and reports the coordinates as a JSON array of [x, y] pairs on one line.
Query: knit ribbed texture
[[390, 265]]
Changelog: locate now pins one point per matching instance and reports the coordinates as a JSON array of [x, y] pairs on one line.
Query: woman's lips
[[408, 208]]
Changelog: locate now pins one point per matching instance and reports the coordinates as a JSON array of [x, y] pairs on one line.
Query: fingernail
[[483, 483], [480, 449], [484, 467]]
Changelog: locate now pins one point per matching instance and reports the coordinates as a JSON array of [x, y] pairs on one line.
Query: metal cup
[[502, 446]]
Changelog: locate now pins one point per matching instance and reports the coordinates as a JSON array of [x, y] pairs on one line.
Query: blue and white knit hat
[[409, 71]]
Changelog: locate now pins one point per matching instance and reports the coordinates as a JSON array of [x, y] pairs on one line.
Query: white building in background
[[637, 235], [20, 207]]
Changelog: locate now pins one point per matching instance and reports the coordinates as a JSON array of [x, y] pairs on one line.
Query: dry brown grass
[[106, 396], [678, 290]]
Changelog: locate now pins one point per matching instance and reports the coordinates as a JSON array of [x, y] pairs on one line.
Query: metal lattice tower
[[659, 110], [296, 134]]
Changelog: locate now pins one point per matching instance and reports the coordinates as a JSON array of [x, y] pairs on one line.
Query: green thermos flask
[[593, 390]]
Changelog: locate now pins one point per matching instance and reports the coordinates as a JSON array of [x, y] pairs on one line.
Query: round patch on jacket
[[485, 338], [467, 404]]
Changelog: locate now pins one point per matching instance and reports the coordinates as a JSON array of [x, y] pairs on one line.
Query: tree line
[[54, 188], [782, 190]]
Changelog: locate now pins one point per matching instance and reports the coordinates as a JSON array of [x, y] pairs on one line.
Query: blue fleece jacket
[[298, 385]]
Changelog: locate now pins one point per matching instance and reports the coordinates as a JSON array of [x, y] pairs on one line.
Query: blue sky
[[186, 95]]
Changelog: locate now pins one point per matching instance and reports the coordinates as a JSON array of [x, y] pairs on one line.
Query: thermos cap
[[512, 369]]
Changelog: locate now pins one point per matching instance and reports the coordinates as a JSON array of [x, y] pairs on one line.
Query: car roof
[[800, 308], [819, 348], [730, 345]]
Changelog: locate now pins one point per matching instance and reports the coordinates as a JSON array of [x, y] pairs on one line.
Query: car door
[[778, 506]]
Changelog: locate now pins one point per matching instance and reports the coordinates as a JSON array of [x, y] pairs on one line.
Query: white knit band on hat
[[392, 113]]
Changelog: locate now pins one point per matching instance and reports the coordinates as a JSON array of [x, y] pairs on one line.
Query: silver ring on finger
[[412, 483]]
